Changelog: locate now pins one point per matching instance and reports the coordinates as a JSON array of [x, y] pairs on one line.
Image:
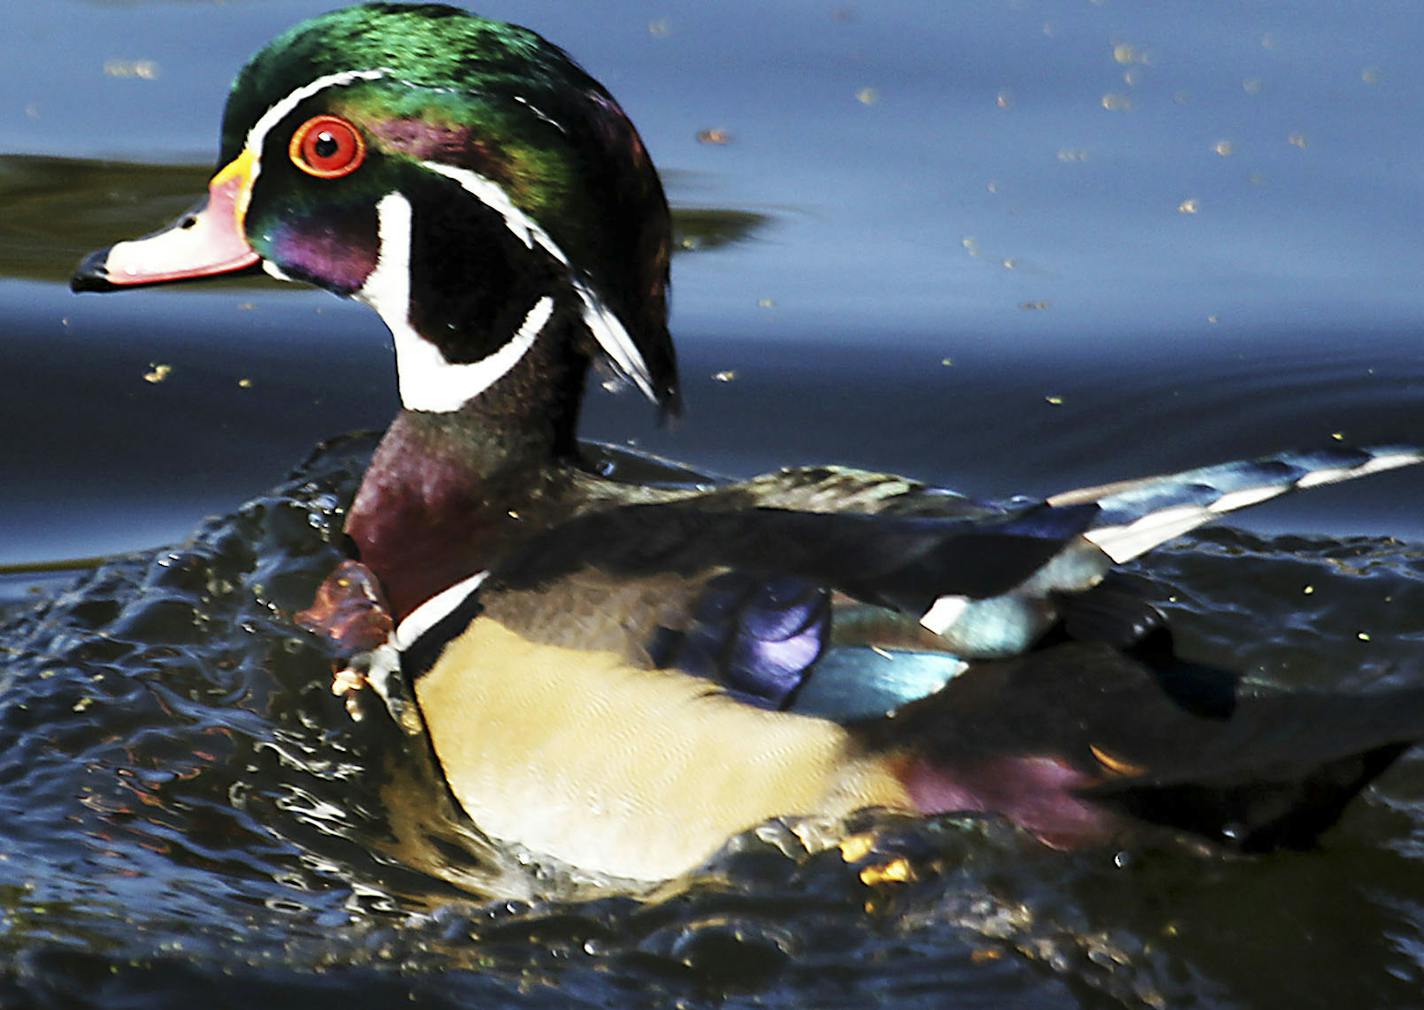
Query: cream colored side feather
[[635, 773]]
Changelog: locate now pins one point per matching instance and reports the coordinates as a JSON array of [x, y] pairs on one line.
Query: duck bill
[[207, 241]]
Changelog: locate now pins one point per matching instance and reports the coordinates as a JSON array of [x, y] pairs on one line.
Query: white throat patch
[[427, 381]]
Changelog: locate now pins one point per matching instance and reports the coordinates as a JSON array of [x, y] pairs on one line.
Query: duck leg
[[351, 611]]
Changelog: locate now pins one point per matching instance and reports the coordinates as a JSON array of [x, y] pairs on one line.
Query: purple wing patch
[[756, 636]]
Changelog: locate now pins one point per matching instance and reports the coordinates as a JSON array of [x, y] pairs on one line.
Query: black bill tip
[[92, 273]]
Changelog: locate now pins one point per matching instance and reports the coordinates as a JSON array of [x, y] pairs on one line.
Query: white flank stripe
[[1375, 465], [427, 381], [1317, 477], [1123, 543], [1398, 459], [945, 611], [433, 611], [1233, 500], [603, 324]]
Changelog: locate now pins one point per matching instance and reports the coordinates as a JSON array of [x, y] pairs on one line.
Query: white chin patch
[[274, 271], [427, 381]]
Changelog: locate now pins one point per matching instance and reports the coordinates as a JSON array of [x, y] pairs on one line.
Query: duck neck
[[447, 493]]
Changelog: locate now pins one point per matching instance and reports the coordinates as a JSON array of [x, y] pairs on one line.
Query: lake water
[[1010, 247]]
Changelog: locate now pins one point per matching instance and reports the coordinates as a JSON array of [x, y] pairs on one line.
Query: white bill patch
[[606, 328], [427, 381]]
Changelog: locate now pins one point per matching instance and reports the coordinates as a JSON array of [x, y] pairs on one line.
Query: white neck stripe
[[606, 328], [427, 381]]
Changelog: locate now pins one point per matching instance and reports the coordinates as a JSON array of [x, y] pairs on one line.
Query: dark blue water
[[1011, 247]]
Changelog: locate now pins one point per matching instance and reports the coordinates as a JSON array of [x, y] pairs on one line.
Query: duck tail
[[1282, 769], [1137, 515]]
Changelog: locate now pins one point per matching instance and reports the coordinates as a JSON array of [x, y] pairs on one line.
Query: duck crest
[[522, 175]]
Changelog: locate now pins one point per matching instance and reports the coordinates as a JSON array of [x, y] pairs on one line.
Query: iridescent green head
[[462, 176]]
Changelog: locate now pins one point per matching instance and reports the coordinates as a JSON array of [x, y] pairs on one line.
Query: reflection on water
[[58, 209]]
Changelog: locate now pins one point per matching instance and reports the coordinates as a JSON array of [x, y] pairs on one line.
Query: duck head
[[463, 177]]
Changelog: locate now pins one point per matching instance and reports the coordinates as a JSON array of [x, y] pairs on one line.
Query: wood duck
[[619, 676]]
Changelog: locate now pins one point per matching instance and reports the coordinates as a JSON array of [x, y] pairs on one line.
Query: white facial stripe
[[257, 136], [489, 193], [602, 323], [427, 381], [540, 113]]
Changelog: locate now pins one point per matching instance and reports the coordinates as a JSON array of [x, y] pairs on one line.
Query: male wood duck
[[620, 676]]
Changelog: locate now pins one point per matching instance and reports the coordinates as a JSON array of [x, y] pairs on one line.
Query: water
[[927, 246]]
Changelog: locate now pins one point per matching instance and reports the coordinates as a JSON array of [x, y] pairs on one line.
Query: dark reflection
[[58, 209], [701, 228]]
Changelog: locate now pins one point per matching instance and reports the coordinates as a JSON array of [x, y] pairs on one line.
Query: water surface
[[1010, 247]]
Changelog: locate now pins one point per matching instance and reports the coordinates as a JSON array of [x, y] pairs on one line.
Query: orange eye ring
[[327, 147]]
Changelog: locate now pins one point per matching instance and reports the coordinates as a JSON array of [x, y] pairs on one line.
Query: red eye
[[327, 147]]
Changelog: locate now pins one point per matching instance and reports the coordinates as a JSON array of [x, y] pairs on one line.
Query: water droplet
[[1125, 53]]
